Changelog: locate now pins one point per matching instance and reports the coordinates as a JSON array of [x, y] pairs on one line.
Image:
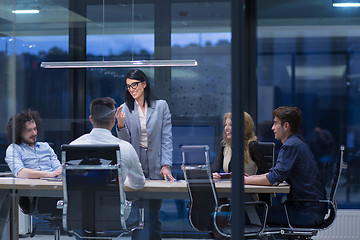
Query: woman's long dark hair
[[139, 75]]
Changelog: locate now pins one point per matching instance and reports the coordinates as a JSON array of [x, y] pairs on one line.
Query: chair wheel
[[32, 234]]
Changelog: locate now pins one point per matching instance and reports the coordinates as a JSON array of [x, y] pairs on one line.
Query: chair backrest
[[339, 166], [94, 198], [333, 205], [263, 153], [267, 150], [201, 188]]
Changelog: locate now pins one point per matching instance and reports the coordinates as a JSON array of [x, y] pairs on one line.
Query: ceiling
[[276, 18]]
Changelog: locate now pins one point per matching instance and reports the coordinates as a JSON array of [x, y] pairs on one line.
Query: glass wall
[[307, 57], [114, 31], [196, 102], [27, 40]]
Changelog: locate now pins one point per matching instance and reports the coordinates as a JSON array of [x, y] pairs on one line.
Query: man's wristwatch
[[168, 166]]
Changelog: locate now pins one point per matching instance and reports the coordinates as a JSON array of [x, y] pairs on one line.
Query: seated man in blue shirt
[[295, 165], [26, 157]]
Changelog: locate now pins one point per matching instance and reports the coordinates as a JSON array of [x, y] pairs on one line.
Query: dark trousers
[[152, 224], [277, 215]]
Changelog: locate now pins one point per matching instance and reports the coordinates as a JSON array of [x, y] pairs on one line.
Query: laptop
[[57, 178]]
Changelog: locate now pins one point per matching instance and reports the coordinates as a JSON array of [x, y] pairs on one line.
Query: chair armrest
[[266, 208], [331, 204], [260, 231], [219, 208], [320, 201], [222, 219], [306, 200]]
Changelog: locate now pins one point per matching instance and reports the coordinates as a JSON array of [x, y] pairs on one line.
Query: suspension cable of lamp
[[132, 63]]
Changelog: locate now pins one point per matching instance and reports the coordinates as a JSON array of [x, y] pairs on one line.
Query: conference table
[[12, 188]]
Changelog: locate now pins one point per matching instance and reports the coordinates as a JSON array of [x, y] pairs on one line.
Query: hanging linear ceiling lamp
[[132, 63], [346, 3], [25, 11], [104, 64]]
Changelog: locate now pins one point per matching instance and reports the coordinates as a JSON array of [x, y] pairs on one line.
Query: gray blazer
[[158, 123]]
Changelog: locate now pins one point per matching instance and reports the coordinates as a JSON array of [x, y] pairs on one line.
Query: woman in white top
[[223, 158]]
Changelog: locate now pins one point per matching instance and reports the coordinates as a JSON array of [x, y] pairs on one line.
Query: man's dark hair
[[139, 75], [292, 115], [18, 122], [102, 111]]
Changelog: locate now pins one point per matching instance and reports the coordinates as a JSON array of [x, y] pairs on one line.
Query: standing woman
[[146, 123]]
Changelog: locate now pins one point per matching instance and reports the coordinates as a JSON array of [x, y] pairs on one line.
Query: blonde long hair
[[249, 134], [225, 141]]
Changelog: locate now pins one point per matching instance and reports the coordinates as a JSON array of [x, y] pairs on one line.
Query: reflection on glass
[[305, 62], [63, 29]]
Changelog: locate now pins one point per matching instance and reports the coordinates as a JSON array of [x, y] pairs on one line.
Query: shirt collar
[[138, 105], [100, 130], [37, 145], [295, 135]]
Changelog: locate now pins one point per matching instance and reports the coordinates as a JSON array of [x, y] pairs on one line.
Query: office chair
[[265, 151], [307, 232], [94, 204], [43, 209], [206, 214], [46, 212]]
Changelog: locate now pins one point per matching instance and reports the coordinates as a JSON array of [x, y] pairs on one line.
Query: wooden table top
[[150, 186]]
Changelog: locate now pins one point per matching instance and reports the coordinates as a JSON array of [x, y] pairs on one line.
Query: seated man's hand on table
[[257, 179], [55, 173]]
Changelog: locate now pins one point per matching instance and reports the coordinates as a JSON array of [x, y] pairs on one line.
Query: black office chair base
[[280, 237]]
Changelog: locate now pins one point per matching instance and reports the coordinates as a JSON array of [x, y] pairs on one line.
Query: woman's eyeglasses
[[134, 85]]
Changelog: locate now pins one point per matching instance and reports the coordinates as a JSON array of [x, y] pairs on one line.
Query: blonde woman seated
[[252, 158]]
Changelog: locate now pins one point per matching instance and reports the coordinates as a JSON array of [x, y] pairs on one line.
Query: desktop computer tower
[[24, 223]]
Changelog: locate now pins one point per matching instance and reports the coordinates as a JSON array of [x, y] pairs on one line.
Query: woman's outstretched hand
[[120, 117]]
